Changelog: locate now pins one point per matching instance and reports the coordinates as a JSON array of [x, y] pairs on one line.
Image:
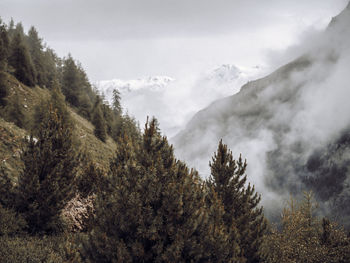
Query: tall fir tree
[[70, 81], [4, 47], [100, 128], [21, 62], [35, 46], [11, 29], [154, 209], [241, 202], [47, 182], [116, 106], [51, 65]]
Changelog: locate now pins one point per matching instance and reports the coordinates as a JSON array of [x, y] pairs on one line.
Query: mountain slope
[[282, 122], [11, 136]]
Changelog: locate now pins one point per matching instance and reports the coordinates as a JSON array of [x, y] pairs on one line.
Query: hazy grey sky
[[135, 38]]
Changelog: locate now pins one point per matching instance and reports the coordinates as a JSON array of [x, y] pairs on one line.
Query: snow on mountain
[[174, 102], [156, 84]]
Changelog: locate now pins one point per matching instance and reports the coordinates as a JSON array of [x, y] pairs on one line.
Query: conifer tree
[[11, 29], [98, 121], [4, 46], [117, 108], [19, 29], [56, 102], [108, 117], [241, 202], [154, 209], [71, 82], [50, 162], [35, 45], [21, 62], [85, 106]]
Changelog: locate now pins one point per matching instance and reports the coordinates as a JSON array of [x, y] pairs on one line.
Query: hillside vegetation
[[80, 182], [12, 136]]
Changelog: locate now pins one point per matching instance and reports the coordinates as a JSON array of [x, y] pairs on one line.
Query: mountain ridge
[[282, 122]]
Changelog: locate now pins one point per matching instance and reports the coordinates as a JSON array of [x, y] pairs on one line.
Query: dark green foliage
[[85, 106], [98, 121], [19, 29], [126, 126], [34, 249], [15, 112], [91, 180], [50, 66], [117, 108], [11, 29], [108, 116], [4, 47], [10, 222], [41, 110], [76, 87], [7, 190], [47, 182], [70, 82], [154, 209], [3, 90], [21, 62], [241, 202], [35, 47]]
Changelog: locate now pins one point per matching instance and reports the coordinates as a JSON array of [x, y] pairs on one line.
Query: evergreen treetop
[[228, 179]]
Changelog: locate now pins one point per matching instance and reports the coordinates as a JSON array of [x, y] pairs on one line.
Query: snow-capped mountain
[[156, 83], [173, 102], [228, 73]]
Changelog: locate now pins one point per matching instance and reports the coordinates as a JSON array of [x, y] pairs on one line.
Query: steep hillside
[[12, 136], [291, 125]]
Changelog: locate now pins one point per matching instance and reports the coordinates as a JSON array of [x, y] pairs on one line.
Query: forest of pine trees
[[146, 206]]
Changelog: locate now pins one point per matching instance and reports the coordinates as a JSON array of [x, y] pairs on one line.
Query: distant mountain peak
[[227, 73], [154, 83]]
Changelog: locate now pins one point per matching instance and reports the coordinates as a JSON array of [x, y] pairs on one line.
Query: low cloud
[[292, 126]]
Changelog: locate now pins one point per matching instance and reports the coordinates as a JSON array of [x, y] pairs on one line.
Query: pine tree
[[11, 29], [117, 108], [85, 106], [47, 182], [70, 82], [56, 102], [50, 63], [4, 47], [154, 209], [241, 202], [21, 62], [98, 121], [108, 117], [35, 45]]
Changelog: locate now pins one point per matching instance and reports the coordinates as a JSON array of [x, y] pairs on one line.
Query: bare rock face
[[77, 213]]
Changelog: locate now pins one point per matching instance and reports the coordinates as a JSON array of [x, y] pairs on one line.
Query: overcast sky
[[136, 38]]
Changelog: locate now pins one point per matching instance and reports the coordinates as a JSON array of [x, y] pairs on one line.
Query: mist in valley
[[292, 126]]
